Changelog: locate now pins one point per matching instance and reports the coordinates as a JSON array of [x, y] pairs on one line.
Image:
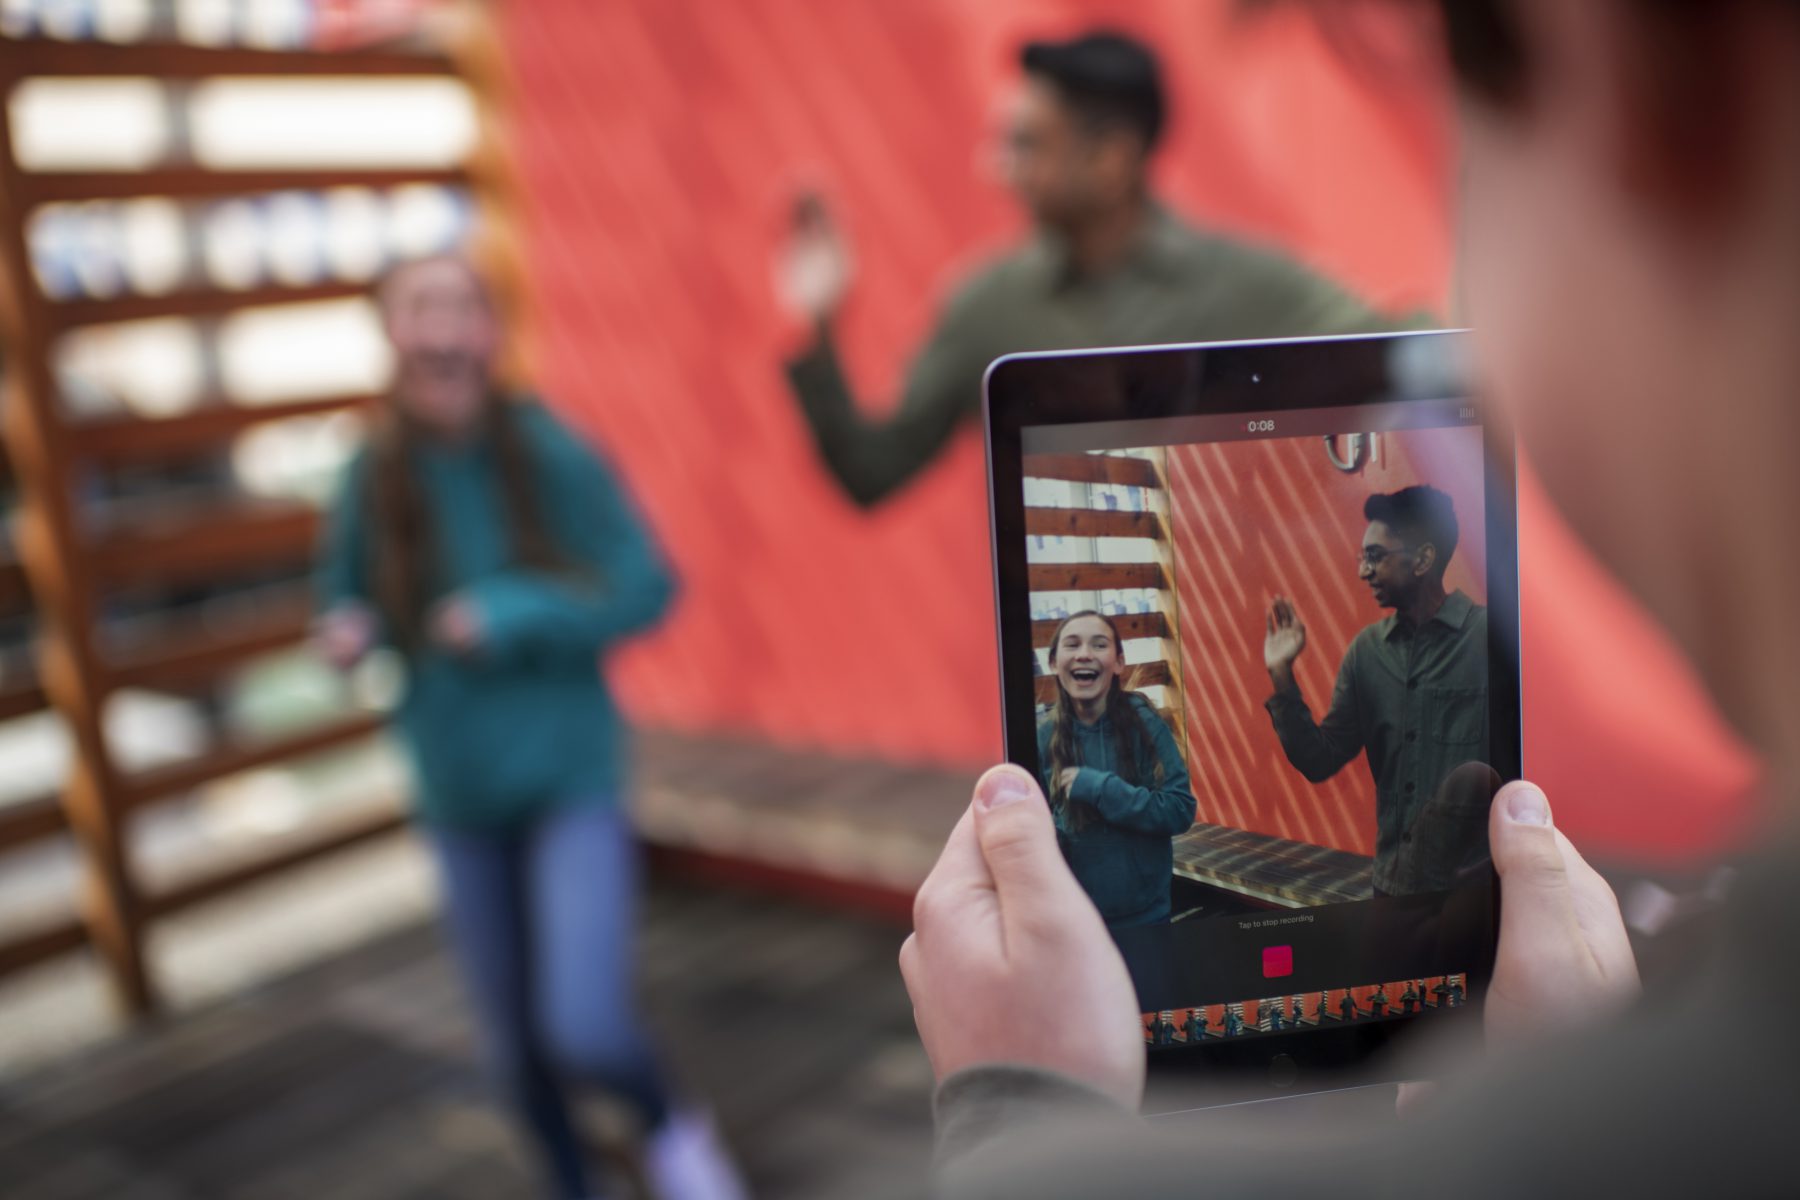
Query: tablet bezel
[[1247, 379]]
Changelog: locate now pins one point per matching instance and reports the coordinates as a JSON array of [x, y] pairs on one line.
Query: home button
[[1283, 1071]]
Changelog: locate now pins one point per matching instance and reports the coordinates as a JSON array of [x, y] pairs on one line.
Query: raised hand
[[813, 270], [1284, 639]]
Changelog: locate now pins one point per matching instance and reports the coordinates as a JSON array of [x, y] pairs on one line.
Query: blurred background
[[219, 973]]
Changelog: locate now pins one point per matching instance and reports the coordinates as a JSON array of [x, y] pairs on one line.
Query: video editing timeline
[[1305, 1010]]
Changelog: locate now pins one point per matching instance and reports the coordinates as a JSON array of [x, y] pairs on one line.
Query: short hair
[[1107, 78], [1419, 514]]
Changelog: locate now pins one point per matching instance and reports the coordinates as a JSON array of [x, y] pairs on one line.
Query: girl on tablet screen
[[1116, 782]]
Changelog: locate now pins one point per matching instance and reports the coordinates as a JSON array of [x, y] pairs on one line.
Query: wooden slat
[[72, 314], [50, 530], [1091, 522], [224, 881], [21, 698], [1093, 577], [200, 183], [1271, 869], [1134, 625], [31, 820], [15, 592], [137, 439], [180, 660], [1093, 468], [181, 551], [34, 946], [1143, 675], [174, 61], [147, 787]]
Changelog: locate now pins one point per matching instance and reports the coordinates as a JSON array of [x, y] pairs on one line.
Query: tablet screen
[[1260, 687]]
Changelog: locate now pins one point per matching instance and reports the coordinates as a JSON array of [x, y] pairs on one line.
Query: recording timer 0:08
[[1260, 425]]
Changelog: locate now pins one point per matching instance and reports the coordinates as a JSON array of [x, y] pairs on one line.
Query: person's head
[[1407, 547], [1087, 660], [1087, 115], [440, 319], [1631, 267]]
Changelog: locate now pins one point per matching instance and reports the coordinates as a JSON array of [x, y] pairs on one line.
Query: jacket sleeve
[[872, 457], [618, 584], [1279, 297], [1319, 750], [1167, 808], [983, 1104]]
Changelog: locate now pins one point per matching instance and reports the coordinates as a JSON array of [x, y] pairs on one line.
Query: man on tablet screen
[[1411, 691]]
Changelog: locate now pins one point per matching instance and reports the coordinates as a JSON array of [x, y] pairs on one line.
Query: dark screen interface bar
[[1247, 427]]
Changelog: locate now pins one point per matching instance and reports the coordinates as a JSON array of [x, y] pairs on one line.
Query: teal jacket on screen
[[525, 722], [1122, 854]]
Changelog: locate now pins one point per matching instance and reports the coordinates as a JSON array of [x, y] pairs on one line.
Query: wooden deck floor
[[355, 1078]]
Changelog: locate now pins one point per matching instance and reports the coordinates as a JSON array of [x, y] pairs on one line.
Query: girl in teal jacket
[[1117, 786], [498, 556]]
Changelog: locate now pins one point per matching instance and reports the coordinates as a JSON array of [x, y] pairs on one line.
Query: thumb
[[1018, 840], [1536, 900]]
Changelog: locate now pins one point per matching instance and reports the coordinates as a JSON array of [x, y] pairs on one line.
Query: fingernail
[[1001, 786], [1526, 805]]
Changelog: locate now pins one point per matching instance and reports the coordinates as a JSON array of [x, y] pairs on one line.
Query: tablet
[[1258, 633]]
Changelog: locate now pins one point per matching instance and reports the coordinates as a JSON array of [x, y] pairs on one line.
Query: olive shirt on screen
[[1176, 284], [1416, 700]]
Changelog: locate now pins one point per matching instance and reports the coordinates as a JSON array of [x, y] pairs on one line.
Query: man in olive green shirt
[[1411, 691], [1108, 266]]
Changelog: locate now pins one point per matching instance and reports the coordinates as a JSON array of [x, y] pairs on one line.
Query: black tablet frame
[[1249, 378]]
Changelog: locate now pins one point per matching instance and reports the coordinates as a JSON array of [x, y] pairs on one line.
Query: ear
[[1120, 155], [1424, 559]]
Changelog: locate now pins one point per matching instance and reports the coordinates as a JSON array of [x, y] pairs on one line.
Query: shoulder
[[1368, 637], [1146, 712], [353, 474], [1468, 616], [1250, 263], [1257, 269], [995, 281], [550, 440]]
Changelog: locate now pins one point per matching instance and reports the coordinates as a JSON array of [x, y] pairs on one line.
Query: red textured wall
[[1250, 520], [657, 142]]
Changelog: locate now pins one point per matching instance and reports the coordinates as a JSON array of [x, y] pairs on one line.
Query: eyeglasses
[[1374, 556]]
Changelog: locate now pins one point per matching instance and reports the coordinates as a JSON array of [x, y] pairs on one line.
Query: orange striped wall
[[1253, 519]]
